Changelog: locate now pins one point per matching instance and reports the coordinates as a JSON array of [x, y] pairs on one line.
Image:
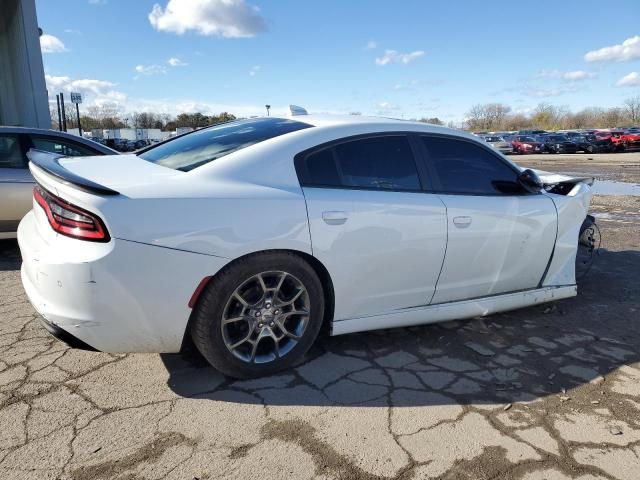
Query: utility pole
[[78, 116], [59, 115], [64, 115]]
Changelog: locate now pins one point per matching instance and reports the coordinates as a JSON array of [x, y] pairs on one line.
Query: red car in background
[[631, 140], [525, 144], [615, 136]]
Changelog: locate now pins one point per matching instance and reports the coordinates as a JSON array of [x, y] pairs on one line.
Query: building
[[23, 91]]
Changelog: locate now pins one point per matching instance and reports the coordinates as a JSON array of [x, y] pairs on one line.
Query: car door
[[500, 238], [380, 236], [16, 183]]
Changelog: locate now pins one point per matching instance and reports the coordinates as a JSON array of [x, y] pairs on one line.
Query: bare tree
[[632, 109]]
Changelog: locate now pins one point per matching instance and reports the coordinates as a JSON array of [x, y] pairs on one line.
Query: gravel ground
[[548, 392]]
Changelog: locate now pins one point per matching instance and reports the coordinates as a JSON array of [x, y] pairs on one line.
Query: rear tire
[[259, 315]]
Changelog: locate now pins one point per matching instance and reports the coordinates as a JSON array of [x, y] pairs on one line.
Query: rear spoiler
[[48, 162]]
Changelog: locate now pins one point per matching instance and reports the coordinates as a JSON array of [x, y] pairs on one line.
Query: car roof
[[58, 133], [377, 123]]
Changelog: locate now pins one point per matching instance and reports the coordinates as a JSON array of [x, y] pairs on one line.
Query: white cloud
[[254, 70], [405, 86], [548, 92], [93, 91], [225, 18], [371, 44], [571, 76], [176, 62], [393, 56], [51, 44], [150, 69], [628, 50], [630, 80], [98, 2]]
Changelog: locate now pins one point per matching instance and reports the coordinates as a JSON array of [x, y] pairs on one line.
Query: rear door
[[500, 238], [381, 237], [16, 183]]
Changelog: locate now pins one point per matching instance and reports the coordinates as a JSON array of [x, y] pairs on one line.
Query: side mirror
[[530, 181]]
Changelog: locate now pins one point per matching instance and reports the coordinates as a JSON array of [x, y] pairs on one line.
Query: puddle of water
[[609, 187]]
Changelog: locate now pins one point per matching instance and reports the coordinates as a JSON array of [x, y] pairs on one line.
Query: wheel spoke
[[239, 298], [295, 312], [262, 284], [235, 319], [254, 349], [241, 341], [291, 301]]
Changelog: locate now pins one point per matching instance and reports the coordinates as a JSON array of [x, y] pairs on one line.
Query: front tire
[[259, 315]]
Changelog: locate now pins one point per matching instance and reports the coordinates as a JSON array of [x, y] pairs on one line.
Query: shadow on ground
[[520, 356], [9, 255]]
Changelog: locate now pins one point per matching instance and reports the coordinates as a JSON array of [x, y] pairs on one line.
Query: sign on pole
[[77, 99]]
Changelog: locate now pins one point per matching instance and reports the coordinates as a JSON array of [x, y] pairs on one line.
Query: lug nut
[[260, 325], [268, 305], [257, 314], [276, 312], [271, 324]]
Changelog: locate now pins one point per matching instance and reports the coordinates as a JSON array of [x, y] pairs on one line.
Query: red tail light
[[70, 220]]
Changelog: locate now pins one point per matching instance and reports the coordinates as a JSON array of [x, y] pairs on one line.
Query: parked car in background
[[558, 144], [523, 144], [631, 139], [597, 144], [531, 132], [138, 144], [499, 144], [613, 136], [16, 182], [209, 236]]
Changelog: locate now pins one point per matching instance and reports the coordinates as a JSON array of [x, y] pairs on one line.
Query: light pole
[[268, 107]]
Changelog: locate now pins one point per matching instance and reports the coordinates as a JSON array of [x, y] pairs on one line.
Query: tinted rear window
[[203, 146]]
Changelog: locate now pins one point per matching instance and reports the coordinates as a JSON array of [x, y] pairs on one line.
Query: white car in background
[[251, 236], [499, 144]]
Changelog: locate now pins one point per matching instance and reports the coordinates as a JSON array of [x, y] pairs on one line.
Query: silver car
[[16, 183], [499, 144]]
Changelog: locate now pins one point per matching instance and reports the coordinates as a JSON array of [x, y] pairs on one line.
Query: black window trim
[[418, 160], [437, 185]]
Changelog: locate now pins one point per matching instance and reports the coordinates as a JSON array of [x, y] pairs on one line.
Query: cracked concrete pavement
[[548, 392]]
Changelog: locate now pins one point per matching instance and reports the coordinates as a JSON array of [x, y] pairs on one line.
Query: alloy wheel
[[265, 317]]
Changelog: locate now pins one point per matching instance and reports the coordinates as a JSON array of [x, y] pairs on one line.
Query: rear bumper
[[114, 297], [65, 336]]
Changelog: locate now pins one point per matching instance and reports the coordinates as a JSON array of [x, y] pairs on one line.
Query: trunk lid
[[105, 175]]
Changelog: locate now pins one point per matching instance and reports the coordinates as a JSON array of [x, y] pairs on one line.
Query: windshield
[[203, 146], [526, 139], [493, 139], [557, 138]]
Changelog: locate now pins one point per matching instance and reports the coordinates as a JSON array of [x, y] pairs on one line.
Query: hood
[[550, 178]]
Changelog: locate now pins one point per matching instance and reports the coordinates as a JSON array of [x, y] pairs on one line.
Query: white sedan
[[251, 236]]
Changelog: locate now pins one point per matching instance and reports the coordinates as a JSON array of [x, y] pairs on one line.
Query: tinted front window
[[10, 152], [203, 146], [378, 162], [464, 167]]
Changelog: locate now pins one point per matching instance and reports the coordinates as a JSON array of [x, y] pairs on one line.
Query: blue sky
[[404, 59]]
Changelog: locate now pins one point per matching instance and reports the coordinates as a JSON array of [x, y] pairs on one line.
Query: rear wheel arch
[[318, 267]]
